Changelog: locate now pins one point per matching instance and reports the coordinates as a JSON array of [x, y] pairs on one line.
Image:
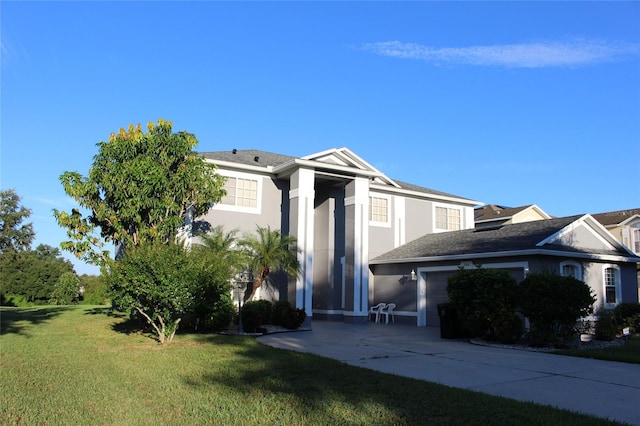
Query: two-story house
[[341, 210]]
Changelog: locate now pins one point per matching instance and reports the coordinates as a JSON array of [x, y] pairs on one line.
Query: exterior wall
[[268, 214], [273, 201], [417, 300]]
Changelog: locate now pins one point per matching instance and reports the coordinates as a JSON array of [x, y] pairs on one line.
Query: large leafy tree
[[142, 187], [15, 235], [270, 249]]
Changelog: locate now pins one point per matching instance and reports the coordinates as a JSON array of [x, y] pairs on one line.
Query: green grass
[[629, 352], [77, 365]]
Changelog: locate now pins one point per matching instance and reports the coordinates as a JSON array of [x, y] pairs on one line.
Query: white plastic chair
[[377, 310], [388, 311]]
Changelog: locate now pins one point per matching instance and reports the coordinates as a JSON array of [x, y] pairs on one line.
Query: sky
[[509, 103]]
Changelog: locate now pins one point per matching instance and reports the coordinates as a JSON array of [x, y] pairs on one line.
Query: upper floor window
[[571, 269], [241, 192], [611, 285], [636, 240], [378, 209], [447, 218]]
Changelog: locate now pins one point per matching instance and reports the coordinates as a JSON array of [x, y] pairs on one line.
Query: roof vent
[[256, 158], [234, 150]]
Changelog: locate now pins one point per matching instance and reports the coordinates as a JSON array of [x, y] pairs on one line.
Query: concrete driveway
[[600, 388]]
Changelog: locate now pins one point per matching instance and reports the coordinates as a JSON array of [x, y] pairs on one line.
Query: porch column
[[301, 195], [356, 250]]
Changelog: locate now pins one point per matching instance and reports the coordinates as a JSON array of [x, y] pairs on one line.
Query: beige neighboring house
[[624, 225], [493, 215]]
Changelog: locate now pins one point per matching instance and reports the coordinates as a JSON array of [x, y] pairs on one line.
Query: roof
[[492, 212], [507, 238], [257, 158], [616, 217], [249, 157]]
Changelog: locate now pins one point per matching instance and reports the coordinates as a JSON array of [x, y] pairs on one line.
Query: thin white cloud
[[527, 55]]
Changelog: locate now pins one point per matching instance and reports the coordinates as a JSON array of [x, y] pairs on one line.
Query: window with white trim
[[571, 269], [636, 240], [378, 209], [611, 285], [241, 192], [447, 218]]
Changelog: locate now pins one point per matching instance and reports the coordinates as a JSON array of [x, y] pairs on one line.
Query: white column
[[357, 203], [301, 197]]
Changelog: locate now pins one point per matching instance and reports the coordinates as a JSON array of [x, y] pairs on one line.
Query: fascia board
[[289, 166], [239, 166], [418, 194], [513, 253], [627, 221]]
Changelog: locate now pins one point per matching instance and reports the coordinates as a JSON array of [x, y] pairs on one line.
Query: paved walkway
[[600, 388]]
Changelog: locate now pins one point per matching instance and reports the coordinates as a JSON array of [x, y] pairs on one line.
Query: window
[[611, 284], [571, 269], [448, 219], [636, 240], [378, 209], [241, 192]]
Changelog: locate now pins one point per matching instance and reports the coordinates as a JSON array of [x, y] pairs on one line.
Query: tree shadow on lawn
[[19, 320], [312, 384], [330, 391]]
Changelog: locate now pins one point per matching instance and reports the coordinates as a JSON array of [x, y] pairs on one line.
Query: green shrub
[[293, 318], [66, 290], [256, 313], [606, 328], [280, 308], [485, 300], [553, 304], [628, 315]]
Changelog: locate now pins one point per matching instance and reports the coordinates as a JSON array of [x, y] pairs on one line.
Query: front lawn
[[629, 352], [77, 365]]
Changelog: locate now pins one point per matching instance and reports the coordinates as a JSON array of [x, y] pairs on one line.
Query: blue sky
[[510, 103]]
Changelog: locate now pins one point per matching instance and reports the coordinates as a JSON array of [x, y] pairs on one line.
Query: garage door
[[436, 286]]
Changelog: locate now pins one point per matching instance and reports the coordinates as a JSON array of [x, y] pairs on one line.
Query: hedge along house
[[341, 210], [577, 245]]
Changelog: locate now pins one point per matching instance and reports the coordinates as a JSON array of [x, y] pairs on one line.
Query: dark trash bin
[[447, 321]]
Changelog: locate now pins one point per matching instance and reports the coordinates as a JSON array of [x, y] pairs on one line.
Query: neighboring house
[[578, 246], [494, 215], [624, 225], [341, 210]]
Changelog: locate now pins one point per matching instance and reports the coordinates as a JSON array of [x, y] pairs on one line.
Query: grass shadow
[[19, 320]]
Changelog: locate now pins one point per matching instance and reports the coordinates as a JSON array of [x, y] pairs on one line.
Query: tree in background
[[267, 250], [95, 291], [15, 236], [141, 188], [32, 274], [67, 290]]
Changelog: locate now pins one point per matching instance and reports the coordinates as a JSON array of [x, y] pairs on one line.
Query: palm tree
[[268, 250], [224, 247]]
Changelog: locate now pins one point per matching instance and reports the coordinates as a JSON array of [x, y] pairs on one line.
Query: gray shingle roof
[[248, 157], [264, 159], [417, 188], [506, 238]]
